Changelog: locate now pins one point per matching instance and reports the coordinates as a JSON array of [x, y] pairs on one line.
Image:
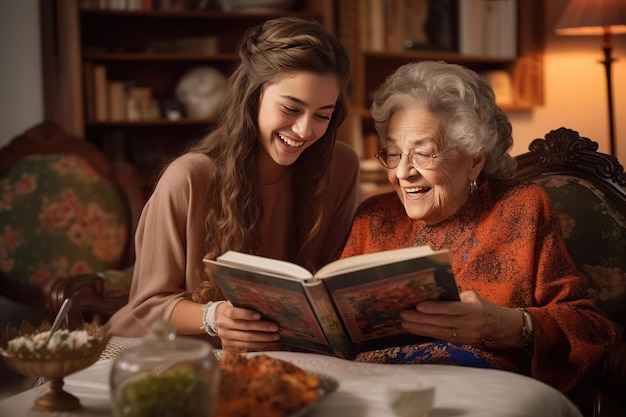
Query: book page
[[358, 262], [255, 263]]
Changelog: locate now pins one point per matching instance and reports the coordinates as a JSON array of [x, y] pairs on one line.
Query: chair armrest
[[89, 301], [609, 395]]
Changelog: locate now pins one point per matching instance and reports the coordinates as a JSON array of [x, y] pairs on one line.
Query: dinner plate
[[328, 385]]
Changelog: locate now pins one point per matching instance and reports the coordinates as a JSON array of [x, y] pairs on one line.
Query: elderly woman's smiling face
[[437, 192]]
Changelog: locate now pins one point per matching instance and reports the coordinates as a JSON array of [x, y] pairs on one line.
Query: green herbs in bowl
[[182, 391]]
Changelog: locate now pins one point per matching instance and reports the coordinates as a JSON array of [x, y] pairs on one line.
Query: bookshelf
[[147, 48], [374, 32], [119, 40]]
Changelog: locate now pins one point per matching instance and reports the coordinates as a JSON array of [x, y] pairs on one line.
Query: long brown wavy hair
[[266, 52]]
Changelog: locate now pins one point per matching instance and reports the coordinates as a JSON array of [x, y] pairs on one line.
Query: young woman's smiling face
[[435, 193], [294, 112]]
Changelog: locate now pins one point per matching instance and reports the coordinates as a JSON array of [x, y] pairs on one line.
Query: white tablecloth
[[459, 391]]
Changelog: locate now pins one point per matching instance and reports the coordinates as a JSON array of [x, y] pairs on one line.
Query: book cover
[[350, 306]]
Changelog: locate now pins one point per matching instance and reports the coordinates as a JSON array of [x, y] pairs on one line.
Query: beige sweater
[[170, 236]]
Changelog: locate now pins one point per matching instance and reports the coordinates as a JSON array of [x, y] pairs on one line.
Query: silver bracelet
[[209, 323]]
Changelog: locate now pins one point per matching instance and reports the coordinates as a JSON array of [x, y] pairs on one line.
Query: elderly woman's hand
[[243, 329], [469, 321]]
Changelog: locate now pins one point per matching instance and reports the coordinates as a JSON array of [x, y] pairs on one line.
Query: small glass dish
[[166, 375], [26, 352]]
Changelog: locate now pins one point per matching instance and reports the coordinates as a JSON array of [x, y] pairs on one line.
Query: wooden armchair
[[67, 223], [588, 189]]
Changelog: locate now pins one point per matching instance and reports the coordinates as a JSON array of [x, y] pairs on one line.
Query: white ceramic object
[[201, 90], [411, 399]]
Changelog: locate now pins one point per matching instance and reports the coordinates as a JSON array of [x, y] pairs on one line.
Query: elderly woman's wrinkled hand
[[469, 321]]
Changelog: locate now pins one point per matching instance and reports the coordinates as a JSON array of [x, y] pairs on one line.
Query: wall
[[575, 85], [21, 85]]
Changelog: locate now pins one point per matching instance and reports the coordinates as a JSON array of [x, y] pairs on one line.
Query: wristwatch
[[527, 329]]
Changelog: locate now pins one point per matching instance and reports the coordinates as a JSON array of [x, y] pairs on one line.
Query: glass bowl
[[166, 375]]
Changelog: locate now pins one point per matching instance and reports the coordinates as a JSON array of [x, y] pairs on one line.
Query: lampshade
[[593, 17]]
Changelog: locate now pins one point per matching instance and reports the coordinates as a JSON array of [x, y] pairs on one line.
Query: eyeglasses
[[421, 159]]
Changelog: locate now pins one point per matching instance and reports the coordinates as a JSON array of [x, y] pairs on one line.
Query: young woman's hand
[[243, 329]]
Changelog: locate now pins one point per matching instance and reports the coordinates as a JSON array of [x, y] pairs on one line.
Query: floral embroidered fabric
[[59, 217], [506, 245]]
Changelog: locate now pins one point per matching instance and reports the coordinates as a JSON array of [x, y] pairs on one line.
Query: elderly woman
[[524, 306]]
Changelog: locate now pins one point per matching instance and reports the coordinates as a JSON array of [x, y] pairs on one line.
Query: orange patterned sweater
[[506, 245]]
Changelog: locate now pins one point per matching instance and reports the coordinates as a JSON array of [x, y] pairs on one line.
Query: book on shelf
[[101, 93], [117, 101], [111, 100], [349, 306], [502, 85], [376, 25], [141, 105], [90, 94], [397, 25], [410, 21], [488, 28], [471, 31]]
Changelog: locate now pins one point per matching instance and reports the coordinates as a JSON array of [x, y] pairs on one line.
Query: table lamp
[[597, 17]]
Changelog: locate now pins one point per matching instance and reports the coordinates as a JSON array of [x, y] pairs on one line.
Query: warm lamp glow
[[597, 17], [593, 17]]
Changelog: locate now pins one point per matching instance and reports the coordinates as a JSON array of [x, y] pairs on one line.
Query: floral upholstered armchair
[[66, 212], [588, 189]]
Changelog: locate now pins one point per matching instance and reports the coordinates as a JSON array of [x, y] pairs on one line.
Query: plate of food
[[261, 385], [327, 386]]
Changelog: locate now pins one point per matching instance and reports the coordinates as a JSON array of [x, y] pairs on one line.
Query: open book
[[350, 305]]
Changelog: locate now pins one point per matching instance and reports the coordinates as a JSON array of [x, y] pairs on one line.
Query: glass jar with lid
[[165, 375]]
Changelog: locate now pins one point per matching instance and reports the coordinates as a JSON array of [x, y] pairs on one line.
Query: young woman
[[270, 180]]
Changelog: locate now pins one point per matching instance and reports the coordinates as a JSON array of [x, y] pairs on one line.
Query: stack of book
[[113, 101]]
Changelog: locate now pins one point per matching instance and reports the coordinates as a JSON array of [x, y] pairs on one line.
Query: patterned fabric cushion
[[595, 235], [59, 217]]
